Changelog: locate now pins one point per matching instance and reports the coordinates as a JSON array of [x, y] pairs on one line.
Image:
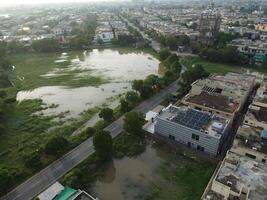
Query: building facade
[[196, 129]]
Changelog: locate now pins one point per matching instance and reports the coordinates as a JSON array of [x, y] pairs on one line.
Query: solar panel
[[192, 118]]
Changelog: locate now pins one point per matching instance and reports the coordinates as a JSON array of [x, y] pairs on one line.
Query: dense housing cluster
[[204, 119]]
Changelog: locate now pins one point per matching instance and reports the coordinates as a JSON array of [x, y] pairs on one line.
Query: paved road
[[154, 44], [43, 179]]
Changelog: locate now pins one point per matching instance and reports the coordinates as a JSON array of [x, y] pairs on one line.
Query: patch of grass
[[84, 175], [210, 66], [25, 132], [128, 145], [152, 195], [188, 176], [30, 68]]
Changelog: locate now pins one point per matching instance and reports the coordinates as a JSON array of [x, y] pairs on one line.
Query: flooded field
[[83, 80], [155, 174]]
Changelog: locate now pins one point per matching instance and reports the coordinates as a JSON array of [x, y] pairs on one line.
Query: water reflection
[[131, 178], [120, 67]]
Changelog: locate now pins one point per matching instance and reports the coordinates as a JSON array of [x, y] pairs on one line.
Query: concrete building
[[104, 33], [223, 95], [255, 49], [238, 177], [256, 115], [251, 142], [251, 137], [196, 129], [209, 26], [59, 192]]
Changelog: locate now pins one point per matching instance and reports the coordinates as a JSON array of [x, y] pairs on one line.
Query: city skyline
[[19, 2]]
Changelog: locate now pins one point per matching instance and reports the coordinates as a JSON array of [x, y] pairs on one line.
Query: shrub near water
[[56, 146]]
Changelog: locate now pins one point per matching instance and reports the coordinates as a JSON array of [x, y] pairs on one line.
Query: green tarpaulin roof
[[65, 194]]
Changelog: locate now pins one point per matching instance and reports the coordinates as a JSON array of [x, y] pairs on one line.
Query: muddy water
[[132, 178], [118, 67]]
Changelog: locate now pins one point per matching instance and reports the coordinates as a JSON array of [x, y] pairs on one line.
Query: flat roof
[[250, 137], [257, 113], [261, 95], [212, 82], [65, 194], [214, 101], [244, 80], [240, 172], [212, 125], [51, 192]]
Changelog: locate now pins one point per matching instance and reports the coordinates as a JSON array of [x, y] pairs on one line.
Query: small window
[[171, 137], [250, 156], [263, 160], [200, 148], [198, 108], [195, 137]]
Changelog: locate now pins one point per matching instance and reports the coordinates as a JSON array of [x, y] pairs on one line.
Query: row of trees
[[124, 40], [173, 42], [102, 140], [224, 55], [153, 83], [84, 33]]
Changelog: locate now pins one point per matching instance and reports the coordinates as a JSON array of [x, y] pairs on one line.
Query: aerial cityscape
[[133, 100]]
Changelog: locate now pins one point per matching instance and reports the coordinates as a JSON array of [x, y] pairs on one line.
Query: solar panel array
[[192, 118]]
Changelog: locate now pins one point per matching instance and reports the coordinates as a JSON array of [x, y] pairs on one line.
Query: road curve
[[46, 177]]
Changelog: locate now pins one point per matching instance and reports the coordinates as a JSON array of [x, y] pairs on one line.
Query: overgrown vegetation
[[84, 175], [173, 42], [103, 144], [30, 70], [211, 67], [187, 174]]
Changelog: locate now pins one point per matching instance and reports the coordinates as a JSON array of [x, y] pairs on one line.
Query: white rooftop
[[51, 192]]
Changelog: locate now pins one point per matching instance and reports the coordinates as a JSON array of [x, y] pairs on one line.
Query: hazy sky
[[8, 2]]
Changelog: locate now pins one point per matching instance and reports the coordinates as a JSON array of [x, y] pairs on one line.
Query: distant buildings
[[256, 50], [59, 192], [209, 26], [104, 33], [110, 26]]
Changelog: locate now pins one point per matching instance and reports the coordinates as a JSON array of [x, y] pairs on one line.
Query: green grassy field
[[211, 67], [188, 176], [30, 68]]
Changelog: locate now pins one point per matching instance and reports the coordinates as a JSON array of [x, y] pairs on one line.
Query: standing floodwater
[[108, 73]]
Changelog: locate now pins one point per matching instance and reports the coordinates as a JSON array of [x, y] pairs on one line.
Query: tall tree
[[133, 123], [103, 144], [6, 180], [106, 114], [132, 97], [56, 146]]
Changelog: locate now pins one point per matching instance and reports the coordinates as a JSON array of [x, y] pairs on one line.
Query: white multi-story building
[[196, 129]]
